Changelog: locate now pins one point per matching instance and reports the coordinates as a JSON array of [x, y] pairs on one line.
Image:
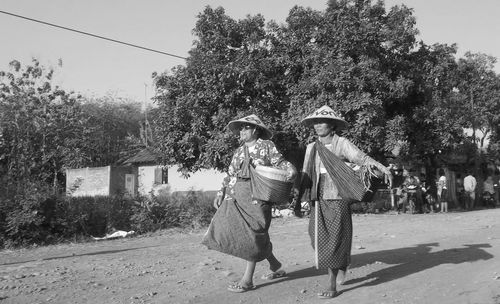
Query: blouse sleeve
[[353, 154]]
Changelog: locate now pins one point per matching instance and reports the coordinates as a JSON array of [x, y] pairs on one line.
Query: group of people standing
[[468, 188], [241, 224], [416, 195]]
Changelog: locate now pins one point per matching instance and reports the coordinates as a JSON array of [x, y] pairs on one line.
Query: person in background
[[470, 184], [431, 194], [460, 191], [489, 192], [397, 183], [496, 185], [442, 190], [413, 190]]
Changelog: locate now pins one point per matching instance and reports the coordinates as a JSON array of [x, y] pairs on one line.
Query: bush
[[186, 210], [34, 216]]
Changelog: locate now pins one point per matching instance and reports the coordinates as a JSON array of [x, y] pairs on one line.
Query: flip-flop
[[328, 294], [274, 275], [236, 287]]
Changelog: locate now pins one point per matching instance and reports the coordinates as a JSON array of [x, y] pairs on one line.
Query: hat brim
[[339, 123], [235, 126]]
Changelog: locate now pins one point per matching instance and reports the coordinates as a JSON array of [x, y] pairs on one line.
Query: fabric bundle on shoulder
[[352, 186]]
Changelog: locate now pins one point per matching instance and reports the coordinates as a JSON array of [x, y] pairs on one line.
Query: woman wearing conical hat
[[330, 186], [240, 225]]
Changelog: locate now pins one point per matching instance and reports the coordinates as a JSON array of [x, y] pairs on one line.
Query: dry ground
[[427, 258]]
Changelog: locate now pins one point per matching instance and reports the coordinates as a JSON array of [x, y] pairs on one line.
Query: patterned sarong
[[330, 229]]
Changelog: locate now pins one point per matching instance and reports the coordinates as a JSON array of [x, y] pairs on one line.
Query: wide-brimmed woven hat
[[325, 114], [235, 125]]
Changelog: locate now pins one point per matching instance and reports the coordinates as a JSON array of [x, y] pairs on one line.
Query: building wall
[[111, 180], [203, 180], [117, 182], [88, 181], [145, 179]]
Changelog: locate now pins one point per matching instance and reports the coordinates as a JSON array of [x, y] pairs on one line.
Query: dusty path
[[431, 258]]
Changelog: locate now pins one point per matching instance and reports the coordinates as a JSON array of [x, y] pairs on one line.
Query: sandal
[[328, 294], [237, 288], [274, 275]]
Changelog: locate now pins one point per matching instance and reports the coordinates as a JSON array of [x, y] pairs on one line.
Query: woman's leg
[[275, 267], [274, 264], [341, 276], [246, 282], [331, 290], [247, 279]]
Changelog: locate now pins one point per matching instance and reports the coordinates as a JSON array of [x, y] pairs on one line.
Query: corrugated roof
[[144, 156]]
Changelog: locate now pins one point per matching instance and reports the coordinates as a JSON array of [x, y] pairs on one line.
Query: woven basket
[[272, 173], [270, 185]]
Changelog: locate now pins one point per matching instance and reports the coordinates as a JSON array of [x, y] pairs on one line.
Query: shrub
[[34, 216]]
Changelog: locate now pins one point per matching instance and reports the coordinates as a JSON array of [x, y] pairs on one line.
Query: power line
[[92, 35]]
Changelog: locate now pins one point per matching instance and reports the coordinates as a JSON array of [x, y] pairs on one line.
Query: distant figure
[[431, 194], [470, 191], [496, 185], [489, 192], [442, 191], [413, 190], [460, 191]]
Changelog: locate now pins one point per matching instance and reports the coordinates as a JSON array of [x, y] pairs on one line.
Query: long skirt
[[330, 229], [240, 226]]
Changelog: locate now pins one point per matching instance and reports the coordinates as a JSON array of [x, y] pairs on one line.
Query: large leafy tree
[[229, 74], [114, 124], [356, 56], [39, 125], [44, 129], [478, 86]]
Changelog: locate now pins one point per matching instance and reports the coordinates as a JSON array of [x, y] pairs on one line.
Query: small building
[[151, 177], [142, 175], [97, 181]]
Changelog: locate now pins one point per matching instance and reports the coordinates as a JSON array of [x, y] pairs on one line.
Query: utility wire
[[92, 35]]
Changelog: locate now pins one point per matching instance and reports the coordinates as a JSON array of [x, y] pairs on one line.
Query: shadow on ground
[[404, 262], [81, 254]]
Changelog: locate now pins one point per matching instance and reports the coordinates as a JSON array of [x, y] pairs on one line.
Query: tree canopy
[[397, 94], [44, 129]]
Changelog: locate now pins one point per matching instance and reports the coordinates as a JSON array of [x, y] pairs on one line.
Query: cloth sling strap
[[350, 185], [245, 165]]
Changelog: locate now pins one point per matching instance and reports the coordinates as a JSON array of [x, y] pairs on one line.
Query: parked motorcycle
[[488, 200]]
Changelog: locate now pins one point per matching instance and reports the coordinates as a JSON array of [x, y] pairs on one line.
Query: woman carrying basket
[[330, 185], [240, 225]]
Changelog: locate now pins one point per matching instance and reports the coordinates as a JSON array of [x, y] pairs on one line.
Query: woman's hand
[[258, 162], [217, 202], [292, 173], [385, 172], [219, 198]]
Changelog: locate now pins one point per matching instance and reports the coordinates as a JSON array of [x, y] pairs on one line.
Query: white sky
[[95, 66]]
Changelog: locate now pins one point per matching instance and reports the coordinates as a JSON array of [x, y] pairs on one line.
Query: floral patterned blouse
[[263, 153]]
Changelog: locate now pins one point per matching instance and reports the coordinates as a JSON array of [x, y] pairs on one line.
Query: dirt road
[[427, 258]]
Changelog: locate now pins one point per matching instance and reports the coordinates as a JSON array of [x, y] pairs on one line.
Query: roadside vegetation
[[406, 102]]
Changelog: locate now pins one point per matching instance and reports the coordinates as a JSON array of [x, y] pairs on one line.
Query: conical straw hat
[[235, 125], [325, 114]]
